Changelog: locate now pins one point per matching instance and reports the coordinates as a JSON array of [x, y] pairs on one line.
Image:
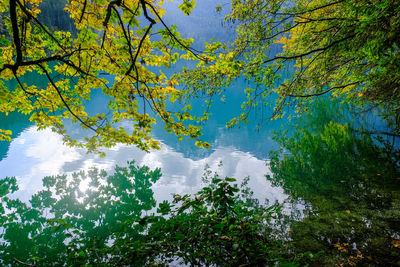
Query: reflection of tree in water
[[106, 224], [350, 183], [62, 224]]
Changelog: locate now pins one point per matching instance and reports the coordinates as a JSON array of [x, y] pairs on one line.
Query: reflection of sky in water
[[36, 154], [32, 155]]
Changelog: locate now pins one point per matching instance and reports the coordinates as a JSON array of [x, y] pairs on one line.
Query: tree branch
[[173, 35], [62, 98], [152, 22], [24, 263], [324, 92], [109, 10], [308, 11], [39, 23], [309, 52], [83, 11], [14, 24]]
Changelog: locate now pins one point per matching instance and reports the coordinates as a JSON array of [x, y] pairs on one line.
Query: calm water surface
[[34, 154], [243, 151]]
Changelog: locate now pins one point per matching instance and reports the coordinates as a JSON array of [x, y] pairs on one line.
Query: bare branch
[[143, 3], [152, 23], [133, 65], [192, 50]]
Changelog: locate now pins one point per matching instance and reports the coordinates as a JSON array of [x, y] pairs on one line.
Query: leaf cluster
[[294, 51], [111, 49], [214, 227]]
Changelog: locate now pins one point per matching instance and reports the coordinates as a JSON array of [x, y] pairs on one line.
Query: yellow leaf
[[395, 242], [227, 238]]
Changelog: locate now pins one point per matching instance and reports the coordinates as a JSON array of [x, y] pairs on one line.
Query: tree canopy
[[290, 51], [294, 51], [115, 48]]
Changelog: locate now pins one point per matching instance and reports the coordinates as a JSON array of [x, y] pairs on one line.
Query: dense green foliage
[[218, 226], [112, 48], [293, 51]]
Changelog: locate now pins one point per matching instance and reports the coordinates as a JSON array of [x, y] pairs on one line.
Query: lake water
[[340, 185], [243, 151]]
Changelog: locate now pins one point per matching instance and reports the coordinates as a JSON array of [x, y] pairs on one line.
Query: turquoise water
[[34, 154], [243, 151]]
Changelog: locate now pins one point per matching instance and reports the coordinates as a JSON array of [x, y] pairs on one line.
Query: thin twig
[[24, 263]]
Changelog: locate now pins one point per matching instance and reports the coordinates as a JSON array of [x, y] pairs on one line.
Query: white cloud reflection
[[36, 154]]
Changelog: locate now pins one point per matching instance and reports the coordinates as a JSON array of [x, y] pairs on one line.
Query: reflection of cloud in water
[[35, 154], [183, 175]]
